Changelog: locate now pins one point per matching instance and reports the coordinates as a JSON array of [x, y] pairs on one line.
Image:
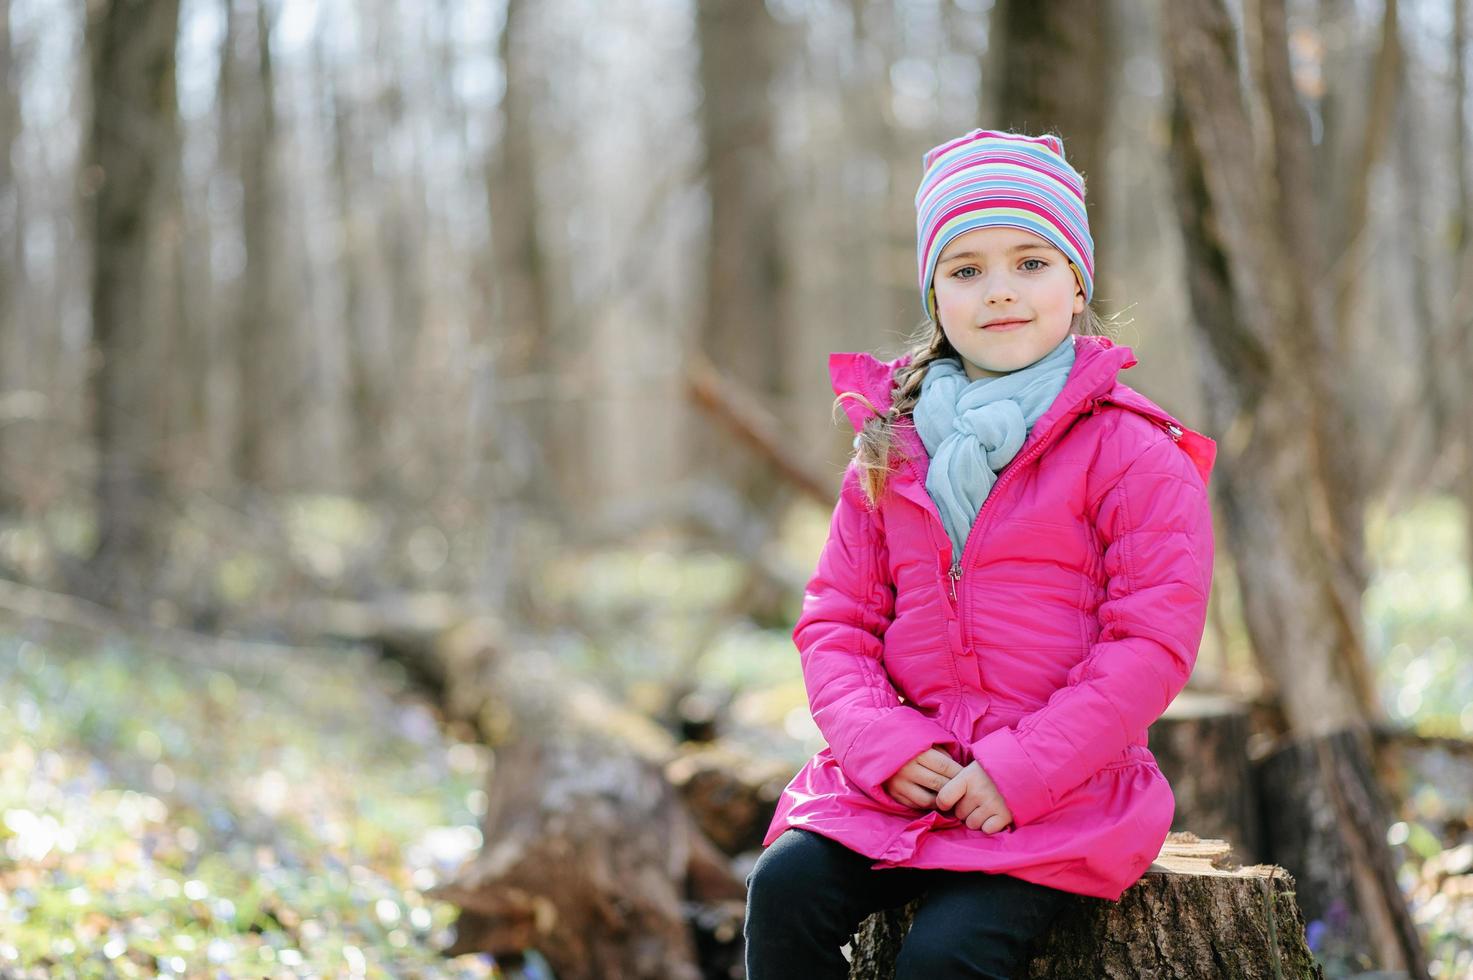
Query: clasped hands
[[934, 779]]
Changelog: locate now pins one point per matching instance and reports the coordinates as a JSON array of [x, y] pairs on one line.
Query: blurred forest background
[[328, 328]]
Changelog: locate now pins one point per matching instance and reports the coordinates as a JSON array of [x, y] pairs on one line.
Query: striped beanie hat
[[988, 178]]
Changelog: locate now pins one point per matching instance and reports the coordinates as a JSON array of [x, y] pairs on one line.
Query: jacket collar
[[1092, 381]]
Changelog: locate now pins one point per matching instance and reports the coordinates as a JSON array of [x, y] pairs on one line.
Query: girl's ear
[[1078, 301]]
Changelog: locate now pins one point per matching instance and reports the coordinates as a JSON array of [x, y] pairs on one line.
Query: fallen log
[[591, 860], [731, 795], [587, 847], [747, 416], [1190, 915]]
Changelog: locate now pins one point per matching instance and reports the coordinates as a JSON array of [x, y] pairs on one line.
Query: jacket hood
[[1092, 382]]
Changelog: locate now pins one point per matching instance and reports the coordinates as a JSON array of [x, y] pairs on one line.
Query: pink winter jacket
[[1073, 623]]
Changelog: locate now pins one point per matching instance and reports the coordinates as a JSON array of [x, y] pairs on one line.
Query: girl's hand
[[976, 800], [916, 783]]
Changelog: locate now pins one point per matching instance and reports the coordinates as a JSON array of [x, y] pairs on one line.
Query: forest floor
[[163, 814], [198, 809]]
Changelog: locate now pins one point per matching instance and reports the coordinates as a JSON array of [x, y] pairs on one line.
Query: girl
[[1013, 588]]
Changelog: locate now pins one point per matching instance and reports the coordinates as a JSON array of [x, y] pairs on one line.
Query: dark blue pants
[[807, 896]]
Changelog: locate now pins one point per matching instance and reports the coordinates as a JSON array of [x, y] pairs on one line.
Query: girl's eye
[[962, 272], [1035, 268]]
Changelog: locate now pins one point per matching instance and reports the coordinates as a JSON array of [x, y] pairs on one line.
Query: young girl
[[1013, 588]]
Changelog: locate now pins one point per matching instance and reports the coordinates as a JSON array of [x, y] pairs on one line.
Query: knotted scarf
[[972, 429]]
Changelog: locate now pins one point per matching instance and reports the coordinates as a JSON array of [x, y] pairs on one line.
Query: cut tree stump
[[1191, 915]]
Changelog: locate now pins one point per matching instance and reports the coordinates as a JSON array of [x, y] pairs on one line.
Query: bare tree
[[13, 359], [743, 322], [1054, 72], [1427, 233], [247, 108], [366, 403], [1267, 355], [131, 48], [1461, 327], [1381, 105], [514, 397], [521, 305]]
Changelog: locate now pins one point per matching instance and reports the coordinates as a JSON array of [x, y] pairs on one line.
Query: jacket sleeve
[[1155, 524], [847, 607]]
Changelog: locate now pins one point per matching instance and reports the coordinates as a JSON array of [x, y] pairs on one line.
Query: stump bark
[[1191, 915]]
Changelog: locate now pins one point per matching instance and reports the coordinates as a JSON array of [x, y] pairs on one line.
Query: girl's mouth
[[1000, 325]]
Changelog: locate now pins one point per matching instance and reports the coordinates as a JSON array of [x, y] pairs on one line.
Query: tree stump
[[1199, 743], [1328, 824], [1190, 916]]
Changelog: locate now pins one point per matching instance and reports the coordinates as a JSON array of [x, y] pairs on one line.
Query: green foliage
[[1419, 616]]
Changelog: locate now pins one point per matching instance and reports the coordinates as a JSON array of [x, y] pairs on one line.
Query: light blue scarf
[[972, 429]]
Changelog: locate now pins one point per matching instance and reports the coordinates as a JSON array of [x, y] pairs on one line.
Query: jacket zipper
[[955, 573]]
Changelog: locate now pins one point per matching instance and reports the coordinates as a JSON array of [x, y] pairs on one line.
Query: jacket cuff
[[1024, 791], [888, 743]]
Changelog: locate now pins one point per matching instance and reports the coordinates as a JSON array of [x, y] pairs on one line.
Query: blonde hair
[[875, 451]]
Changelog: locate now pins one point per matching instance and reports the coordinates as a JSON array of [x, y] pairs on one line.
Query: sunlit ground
[[159, 817], [163, 818]]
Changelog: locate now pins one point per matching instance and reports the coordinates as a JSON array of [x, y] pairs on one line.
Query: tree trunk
[[1054, 71], [1187, 917], [1243, 310], [186, 289], [527, 359], [1462, 326], [1355, 243], [247, 108], [14, 359], [1317, 351], [401, 224], [131, 49], [586, 851], [743, 322], [366, 384], [512, 398], [1414, 457], [1266, 359], [589, 851]]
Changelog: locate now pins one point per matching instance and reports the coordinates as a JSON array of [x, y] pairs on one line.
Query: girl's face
[[1005, 298]]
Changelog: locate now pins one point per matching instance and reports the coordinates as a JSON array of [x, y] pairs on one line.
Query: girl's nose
[[1000, 290]]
